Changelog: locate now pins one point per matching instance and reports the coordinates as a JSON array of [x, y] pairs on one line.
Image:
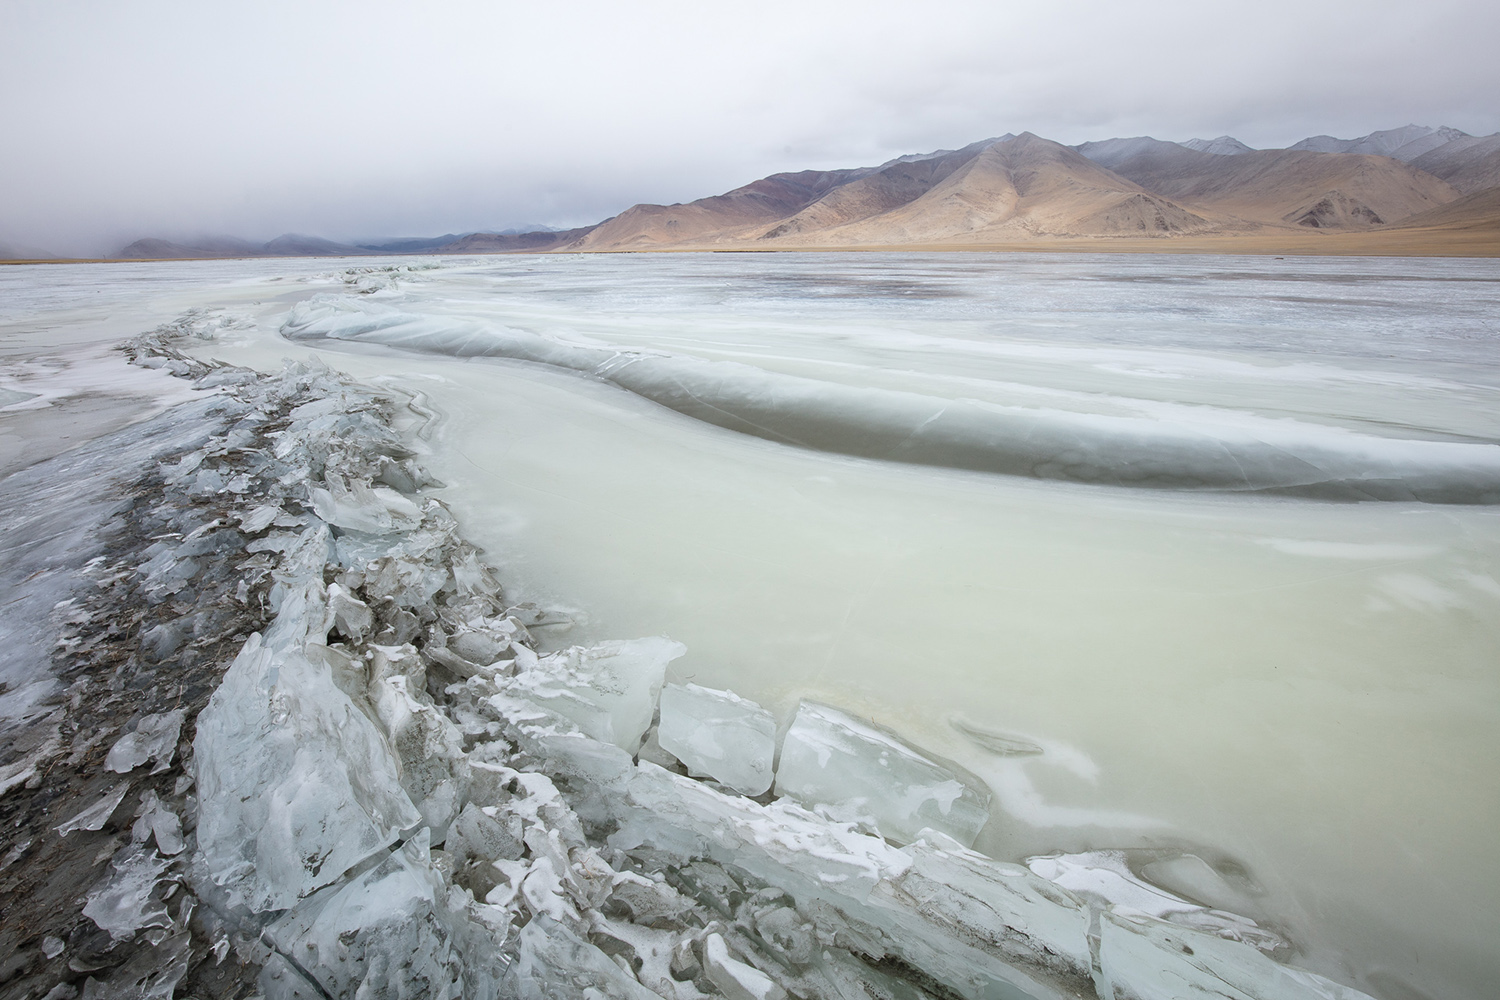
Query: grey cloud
[[352, 120]]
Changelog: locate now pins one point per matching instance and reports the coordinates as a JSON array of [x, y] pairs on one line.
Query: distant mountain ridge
[[1020, 188], [1404, 144], [1017, 188], [287, 245]]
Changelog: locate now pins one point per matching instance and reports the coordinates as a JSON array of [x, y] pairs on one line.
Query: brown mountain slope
[[1280, 187], [1025, 189], [1013, 188], [887, 187], [760, 202]]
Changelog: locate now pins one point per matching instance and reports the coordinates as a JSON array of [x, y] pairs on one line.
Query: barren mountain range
[[1409, 190]]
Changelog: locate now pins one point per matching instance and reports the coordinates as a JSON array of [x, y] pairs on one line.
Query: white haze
[[362, 120]]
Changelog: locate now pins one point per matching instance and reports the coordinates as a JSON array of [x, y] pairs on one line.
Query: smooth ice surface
[[853, 771], [1301, 693], [720, 735]]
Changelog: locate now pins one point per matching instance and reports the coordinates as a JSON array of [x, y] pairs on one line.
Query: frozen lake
[[1180, 555]]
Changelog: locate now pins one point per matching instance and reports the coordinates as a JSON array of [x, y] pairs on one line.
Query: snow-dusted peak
[[1405, 143], [1109, 152], [1224, 145]]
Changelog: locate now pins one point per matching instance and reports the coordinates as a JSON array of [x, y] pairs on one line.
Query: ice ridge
[[1268, 456]]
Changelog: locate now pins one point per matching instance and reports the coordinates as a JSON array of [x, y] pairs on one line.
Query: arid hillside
[[1019, 190]]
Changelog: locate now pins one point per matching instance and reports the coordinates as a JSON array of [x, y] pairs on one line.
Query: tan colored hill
[[884, 189], [1012, 188], [1288, 187], [756, 204], [1021, 188]]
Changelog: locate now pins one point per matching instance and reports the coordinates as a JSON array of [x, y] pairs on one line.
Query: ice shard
[[609, 690], [719, 735], [296, 784], [384, 932], [96, 815], [154, 738], [735, 979], [856, 772], [127, 900]]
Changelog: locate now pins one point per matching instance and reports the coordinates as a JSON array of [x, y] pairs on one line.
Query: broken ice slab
[[1107, 878], [719, 735], [858, 773], [608, 691], [735, 979], [126, 901], [1004, 905], [556, 964], [388, 928], [96, 815], [426, 743], [154, 738], [296, 785], [1146, 959], [980, 928], [357, 505]]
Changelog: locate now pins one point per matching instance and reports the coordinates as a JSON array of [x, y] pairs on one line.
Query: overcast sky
[[359, 120]]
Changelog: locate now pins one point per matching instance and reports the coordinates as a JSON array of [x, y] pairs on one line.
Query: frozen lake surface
[[1189, 558]]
